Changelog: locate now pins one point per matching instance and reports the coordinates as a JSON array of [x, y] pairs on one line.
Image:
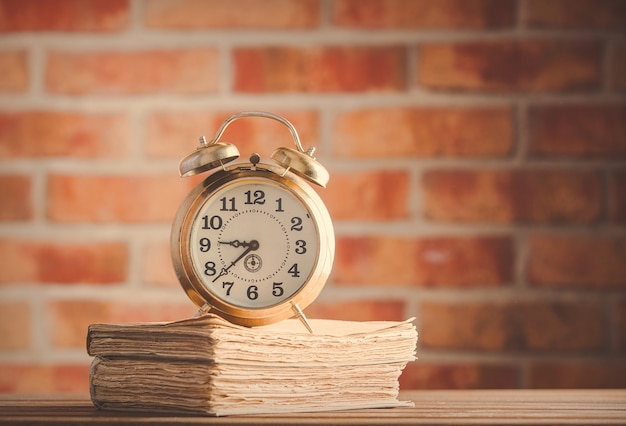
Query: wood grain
[[467, 407]]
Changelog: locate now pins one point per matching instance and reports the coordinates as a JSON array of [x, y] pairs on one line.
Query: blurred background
[[477, 152]]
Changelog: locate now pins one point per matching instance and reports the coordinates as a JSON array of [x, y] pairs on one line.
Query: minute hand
[[254, 244]]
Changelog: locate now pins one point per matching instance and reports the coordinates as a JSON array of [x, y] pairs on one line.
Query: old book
[[211, 366]]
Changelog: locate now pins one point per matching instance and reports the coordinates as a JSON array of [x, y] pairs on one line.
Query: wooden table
[[483, 407]]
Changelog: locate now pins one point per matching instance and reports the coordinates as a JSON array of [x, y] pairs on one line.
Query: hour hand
[[235, 243]]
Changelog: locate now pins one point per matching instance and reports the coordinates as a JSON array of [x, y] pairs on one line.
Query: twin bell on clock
[[253, 242]]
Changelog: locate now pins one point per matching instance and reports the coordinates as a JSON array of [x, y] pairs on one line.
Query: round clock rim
[[181, 255]]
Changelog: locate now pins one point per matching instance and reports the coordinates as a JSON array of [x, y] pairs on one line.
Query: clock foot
[[302, 317], [203, 310]]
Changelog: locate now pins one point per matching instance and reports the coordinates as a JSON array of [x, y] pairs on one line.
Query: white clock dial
[[253, 243]]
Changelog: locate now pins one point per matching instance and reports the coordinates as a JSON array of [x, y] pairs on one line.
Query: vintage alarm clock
[[253, 242]]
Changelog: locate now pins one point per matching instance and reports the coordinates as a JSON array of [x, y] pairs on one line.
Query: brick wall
[[477, 151]]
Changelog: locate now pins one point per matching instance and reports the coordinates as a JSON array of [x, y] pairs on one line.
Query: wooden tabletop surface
[[465, 407]]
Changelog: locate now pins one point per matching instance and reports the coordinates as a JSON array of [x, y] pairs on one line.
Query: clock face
[[253, 243]]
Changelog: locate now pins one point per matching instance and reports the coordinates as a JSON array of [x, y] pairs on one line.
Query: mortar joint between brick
[[138, 123], [520, 132], [226, 71], [135, 15], [325, 131], [40, 327], [416, 206], [605, 196], [326, 15], [135, 262], [521, 17], [39, 196], [520, 247], [411, 69]]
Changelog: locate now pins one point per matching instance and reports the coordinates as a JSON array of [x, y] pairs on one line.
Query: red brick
[[578, 374], [576, 14], [518, 196], [63, 15], [14, 71], [578, 131], [250, 135], [424, 262], [510, 65], [464, 261], [15, 198], [374, 261], [424, 132], [63, 134], [529, 326], [433, 375], [23, 261], [187, 71], [617, 197], [231, 14], [424, 14], [70, 319], [366, 195], [617, 67], [593, 262], [127, 198], [157, 266], [320, 69], [15, 325], [29, 379], [358, 310]]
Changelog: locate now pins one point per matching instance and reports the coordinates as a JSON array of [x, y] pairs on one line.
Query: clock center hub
[[253, 263]]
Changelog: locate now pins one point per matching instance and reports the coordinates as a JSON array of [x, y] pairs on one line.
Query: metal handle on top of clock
[[210, 155], [234, 117]]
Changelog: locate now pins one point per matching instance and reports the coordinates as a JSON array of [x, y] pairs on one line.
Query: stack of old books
[[208, 365]]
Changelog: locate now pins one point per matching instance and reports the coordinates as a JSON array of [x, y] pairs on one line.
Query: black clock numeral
[[278, 290], [256, 197], [279, 208], [228, 285], [300, 246], [294, 271], [296, 223], [253, 292], [215, 222], [228, 205], [209, 269], [205, 245]]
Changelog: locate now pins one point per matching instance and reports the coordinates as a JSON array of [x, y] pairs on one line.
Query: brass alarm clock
[[253, 242]]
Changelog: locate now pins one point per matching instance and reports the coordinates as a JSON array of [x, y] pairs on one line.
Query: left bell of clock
[[207, 157]]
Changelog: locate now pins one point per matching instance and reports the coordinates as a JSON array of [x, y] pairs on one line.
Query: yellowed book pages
[[208, 365]]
